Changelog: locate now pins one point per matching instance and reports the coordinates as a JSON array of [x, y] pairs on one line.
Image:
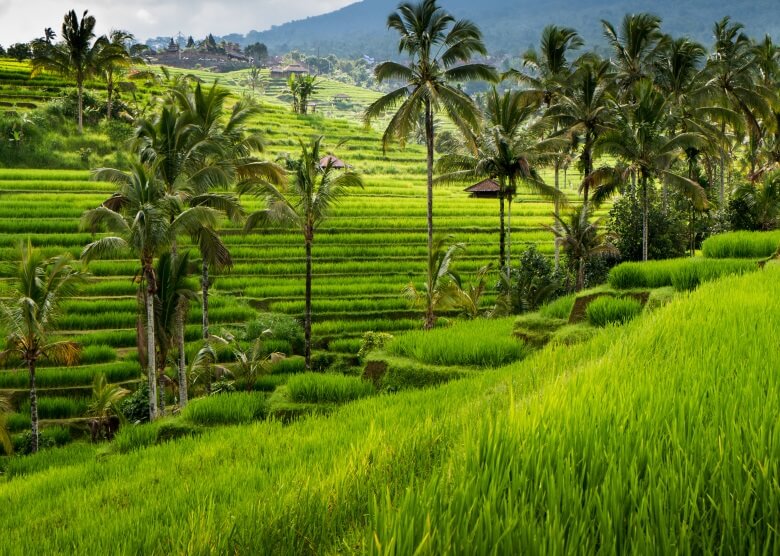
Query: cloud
[[152, 18]]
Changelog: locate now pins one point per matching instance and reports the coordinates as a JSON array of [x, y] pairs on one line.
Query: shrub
[[373, 340], [226, 409], [612, 310], [282, 327], [48, 438], [135, 407], [327, 388], [534, 282], [667, 231]]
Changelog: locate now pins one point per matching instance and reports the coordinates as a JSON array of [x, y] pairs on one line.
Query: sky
[[23, 20]]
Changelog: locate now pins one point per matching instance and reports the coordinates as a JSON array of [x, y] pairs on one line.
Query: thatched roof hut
[[486, 189]]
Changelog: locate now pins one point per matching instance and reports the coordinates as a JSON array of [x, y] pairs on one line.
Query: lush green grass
[[612, 310], [234, 408], [736, 245], [479, 343], [559, 308], [327, 388], [647, 444], [658, 274]]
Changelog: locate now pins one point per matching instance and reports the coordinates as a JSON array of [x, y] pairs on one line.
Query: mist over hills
[[510, 26]]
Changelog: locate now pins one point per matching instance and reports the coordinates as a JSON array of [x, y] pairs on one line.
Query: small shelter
[[342, 97], [335, 163], [486, 189], [278, 72]]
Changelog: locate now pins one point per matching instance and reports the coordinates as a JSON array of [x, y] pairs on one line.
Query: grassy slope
[[657, 437]]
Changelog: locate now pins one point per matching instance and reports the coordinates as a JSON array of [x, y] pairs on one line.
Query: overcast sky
[[22, 20]]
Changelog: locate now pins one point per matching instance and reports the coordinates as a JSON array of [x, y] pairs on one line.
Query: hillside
[[578, 449], [510, 26]]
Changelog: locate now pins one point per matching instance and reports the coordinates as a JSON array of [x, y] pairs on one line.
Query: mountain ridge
[[509, 26]]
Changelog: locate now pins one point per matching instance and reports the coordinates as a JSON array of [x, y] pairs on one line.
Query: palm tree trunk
[[307, 315], [109, 94], [580, 274], [722, 190], [557, 213], [151, 370], [33, 407], [509, 235], [183, 394], [204, 285], [644, 219], [429, 314], [501, 231]]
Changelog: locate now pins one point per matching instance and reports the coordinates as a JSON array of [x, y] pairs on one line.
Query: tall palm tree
[[114, 57], [75, 56], [580, 239], [583, 110], [639, 139], [546, 78], [735, 76], [313, 192], [139, 217], [505, 154], [636, 47], [440, 49], [29, 317]]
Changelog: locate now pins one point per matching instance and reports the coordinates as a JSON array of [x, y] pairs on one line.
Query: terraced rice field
[[364, 255]]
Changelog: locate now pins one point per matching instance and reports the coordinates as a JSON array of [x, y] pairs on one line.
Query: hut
[[333, 162], [342, 97], [278, 72], [486, 189]]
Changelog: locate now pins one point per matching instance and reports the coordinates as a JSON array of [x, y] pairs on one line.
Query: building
[[278, 72], [486, 189]]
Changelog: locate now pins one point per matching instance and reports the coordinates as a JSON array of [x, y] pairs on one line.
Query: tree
[[583, 111], [5, 437], [76, 56], [640, 140], [636, 47], [440, 49], [105, 405], [114, 57], [20, 51], [255, 79], [258, 52], [581, 240], [140, 217], [505, 153], [762, 201], [29, 317], [49, 35], [313, 192], [302, 88]]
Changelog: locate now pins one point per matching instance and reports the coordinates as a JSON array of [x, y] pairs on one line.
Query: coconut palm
[[144, 220], [639, 139], [440, 49], [313, 192], [636, 47], [76, 56], [583, 110], [580, 239], [29, 317], [104, 405], [113, 58], [763, 200], [504, 153]]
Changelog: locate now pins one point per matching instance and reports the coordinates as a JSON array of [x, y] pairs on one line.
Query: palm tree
[[547, 78], [114, 57], [105, 405], [30, 315], [636, 48], [314, 191], [583, 110], [172, 301], [440, 49], [505, 154], [640, 140], [49, 35], [144, 220], [441, 283], [581, 240], [763, 200], [5, 436], [75, 56]]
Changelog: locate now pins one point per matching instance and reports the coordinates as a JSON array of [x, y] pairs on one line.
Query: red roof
[[485, 186], [333, 162]]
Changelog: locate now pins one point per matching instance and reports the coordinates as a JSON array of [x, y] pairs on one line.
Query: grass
[[235, 408], [327, 388], [658, 274], [636, 441], [479, 343], [737, 245], [559, 308], [612, 310]]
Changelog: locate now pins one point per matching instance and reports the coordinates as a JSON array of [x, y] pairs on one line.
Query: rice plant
[[612, 310], [327, 388], [234, 408]]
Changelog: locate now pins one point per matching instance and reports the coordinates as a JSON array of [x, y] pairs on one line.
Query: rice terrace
[[430, 277]]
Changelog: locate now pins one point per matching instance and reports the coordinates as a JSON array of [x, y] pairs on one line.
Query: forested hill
[[512, 25]]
